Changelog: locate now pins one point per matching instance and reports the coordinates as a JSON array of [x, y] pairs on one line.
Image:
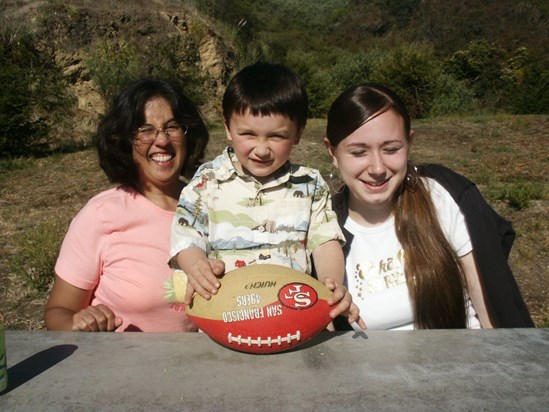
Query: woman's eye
[[172, 128], [146, 130]]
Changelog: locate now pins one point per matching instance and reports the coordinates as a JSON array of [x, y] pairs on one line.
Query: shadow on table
[[34, 365]]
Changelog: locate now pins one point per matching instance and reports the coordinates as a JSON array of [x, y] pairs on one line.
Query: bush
[[327, 75], [512, 81], [33, 98], [113, 64], [528, 83], [518, 196], [451, 97], [480, 65], [19, 129], [412, 71]]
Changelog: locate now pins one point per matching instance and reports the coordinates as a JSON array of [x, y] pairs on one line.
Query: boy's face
[[262, 144]]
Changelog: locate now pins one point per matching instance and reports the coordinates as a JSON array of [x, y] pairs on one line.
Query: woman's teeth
[[161, 157]]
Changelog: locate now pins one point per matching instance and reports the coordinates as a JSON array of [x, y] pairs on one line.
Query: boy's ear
[[227, 132], [298, 136]]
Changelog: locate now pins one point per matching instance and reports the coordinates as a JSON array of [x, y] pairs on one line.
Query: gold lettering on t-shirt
[[386, 274]]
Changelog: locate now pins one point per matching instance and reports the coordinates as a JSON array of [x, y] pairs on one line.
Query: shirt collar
[[225, 169]]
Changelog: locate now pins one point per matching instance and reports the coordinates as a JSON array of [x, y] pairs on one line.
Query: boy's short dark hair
[[266, 89]]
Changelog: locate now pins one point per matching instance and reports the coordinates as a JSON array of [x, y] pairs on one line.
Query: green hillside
[[61, 61]]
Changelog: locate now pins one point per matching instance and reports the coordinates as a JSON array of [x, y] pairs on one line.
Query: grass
[[505, 155]]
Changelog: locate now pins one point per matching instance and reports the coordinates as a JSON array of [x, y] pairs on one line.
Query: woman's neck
[[164, 197]]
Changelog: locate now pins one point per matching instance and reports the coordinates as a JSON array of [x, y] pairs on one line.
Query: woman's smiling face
[[373, 162], [160, 161]]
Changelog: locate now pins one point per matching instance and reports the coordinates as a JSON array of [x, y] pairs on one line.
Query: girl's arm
[[475, 289]]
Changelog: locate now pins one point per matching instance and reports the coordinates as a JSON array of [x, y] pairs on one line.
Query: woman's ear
[[331, 150]]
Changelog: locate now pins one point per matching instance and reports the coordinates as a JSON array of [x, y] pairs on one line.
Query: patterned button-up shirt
[[233, 217]]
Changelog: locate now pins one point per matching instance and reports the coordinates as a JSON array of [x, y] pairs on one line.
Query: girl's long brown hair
[[432, 269]]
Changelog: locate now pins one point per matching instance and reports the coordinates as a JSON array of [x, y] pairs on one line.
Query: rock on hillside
[[145, 37]]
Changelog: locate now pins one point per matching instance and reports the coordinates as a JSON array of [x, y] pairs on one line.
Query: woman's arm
[[475, 289], [68, 309]]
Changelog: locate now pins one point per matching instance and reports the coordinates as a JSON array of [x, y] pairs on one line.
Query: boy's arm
[[189, 240], [329, 262], [330, 269]]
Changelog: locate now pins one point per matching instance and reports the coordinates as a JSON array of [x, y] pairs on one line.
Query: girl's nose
[[376, 165]]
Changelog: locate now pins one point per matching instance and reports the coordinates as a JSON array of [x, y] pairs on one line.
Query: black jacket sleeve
[[492, 238]]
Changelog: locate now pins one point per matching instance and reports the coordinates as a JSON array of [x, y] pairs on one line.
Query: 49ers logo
[[297, 296]]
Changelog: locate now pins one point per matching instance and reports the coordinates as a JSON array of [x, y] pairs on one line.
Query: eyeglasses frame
[[163, 130]]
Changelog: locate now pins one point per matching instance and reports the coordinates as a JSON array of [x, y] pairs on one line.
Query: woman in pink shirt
[[113, 261]]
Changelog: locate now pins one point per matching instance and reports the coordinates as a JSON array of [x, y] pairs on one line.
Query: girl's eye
[[391, 149], [358, 152]]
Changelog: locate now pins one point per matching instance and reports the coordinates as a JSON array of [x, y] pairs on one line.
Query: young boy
[[250, 205]]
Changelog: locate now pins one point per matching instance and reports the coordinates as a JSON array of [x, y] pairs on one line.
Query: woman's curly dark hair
[[116, 130]]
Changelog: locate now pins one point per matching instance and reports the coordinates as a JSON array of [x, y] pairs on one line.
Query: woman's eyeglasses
[[148, 133]]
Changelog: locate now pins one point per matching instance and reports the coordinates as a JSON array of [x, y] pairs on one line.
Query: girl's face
[[159, 161], [373, 162]]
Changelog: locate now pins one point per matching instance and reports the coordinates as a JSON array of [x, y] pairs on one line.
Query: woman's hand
[[98, 318], [344, 301], [68, 308]]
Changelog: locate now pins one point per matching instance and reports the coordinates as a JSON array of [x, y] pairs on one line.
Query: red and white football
[[263, 308]]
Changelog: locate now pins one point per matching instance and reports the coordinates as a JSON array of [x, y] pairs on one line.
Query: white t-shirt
[[375, 265]]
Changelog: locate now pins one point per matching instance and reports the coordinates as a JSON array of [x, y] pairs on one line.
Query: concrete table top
[[489, 370]]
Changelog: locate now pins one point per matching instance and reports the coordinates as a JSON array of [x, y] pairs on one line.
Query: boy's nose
[[262, 150]]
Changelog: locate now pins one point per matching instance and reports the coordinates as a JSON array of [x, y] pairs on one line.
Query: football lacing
[[268, 341]]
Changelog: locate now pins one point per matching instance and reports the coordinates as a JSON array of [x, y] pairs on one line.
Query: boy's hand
[[344, 302], [202, 278]]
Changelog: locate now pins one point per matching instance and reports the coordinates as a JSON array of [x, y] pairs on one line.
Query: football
[[263, 308]]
